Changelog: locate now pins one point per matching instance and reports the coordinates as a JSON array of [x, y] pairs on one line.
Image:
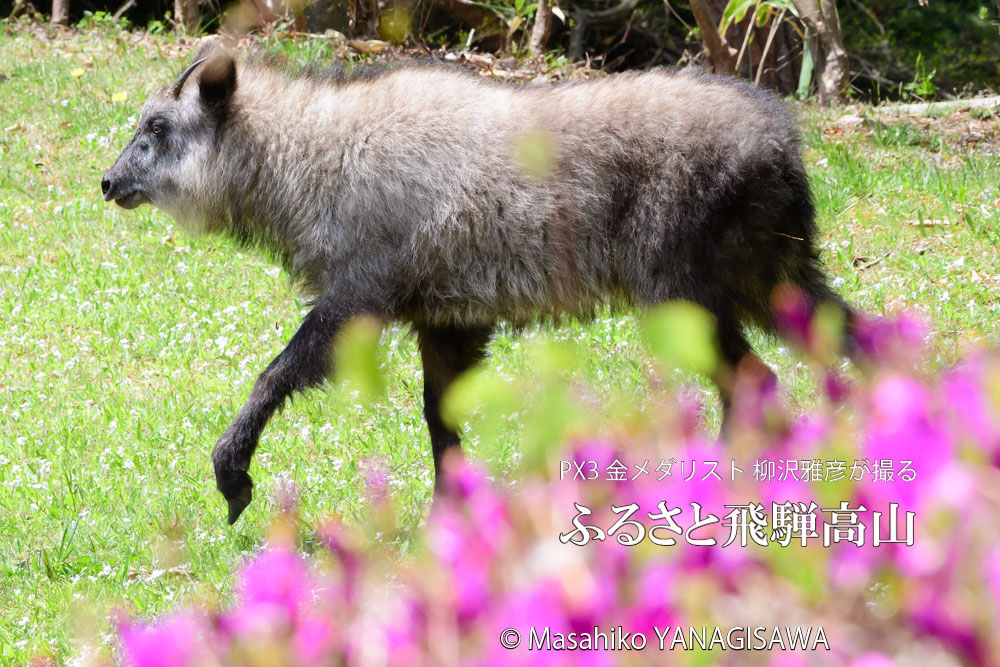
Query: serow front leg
[[446, 352], [304, 363]]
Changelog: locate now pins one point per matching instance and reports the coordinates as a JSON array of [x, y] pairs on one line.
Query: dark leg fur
[[304, 363], [445, 354], [818, 292], [737, 354], [733, 347], [759, 236]]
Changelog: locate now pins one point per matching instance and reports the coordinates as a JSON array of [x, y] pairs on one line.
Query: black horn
[[175, 89]]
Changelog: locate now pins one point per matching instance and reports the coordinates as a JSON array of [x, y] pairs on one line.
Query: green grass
[[126, 346]]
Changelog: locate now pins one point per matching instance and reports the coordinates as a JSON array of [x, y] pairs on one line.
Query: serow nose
[[105, 185]]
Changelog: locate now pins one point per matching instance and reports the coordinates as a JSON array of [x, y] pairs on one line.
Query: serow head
[[166, 162]]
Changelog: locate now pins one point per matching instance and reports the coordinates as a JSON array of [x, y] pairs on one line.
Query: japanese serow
[[406, 195]]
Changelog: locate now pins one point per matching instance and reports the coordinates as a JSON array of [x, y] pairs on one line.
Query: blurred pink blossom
[[490, 558]]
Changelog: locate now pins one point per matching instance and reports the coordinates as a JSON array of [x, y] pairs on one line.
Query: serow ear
[[217, 82], [207, 48]]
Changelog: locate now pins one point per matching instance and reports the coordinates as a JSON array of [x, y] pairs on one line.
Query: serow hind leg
[[740, 370]]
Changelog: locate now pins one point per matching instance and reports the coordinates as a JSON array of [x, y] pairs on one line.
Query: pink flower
[[491, 558], [653, 607], [835, 387], [273, 589], [793, 314], [780, 659], [463, 480], [701, 473], [313, 639], [936, 615], [343, 544], [376, 476], [992, 570], [873, 659], [905, 426], [173, 641], [888, 340]]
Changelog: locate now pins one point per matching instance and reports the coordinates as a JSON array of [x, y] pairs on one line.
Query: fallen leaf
[[368, 45]]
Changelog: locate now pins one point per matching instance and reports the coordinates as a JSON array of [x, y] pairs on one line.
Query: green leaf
[[535, 154], [551, 415], [734, 12], [356, 357], [805, 74], [481, 397], [682, 335], [763, 14]]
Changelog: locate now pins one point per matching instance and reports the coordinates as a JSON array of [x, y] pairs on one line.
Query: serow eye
[[157, 129]]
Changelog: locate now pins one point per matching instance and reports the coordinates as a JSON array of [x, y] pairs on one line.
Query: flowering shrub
[[870, 521]]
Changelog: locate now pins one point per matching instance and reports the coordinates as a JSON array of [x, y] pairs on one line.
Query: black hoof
[[237, 505], [237, 488]]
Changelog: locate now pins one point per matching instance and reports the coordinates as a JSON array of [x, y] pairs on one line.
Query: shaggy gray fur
[[450, 202]]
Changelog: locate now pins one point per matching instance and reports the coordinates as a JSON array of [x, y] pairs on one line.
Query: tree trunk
[[60, 12], [186, 15], [776, 67], [827, 48], [540, 30], [723, 57]]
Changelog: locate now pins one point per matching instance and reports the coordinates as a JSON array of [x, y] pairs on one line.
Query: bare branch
[[718, 50], [583, 17]]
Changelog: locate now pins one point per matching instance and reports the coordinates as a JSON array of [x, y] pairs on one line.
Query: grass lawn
[[126, 345]]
